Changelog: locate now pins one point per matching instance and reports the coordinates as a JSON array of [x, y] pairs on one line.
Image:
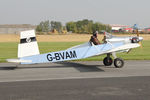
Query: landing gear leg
[[108, 60]]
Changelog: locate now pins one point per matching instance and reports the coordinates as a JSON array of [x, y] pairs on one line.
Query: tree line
[[82, 26], [47, 26]]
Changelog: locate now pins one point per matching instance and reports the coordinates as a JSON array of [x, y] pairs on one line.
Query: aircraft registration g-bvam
[[28, 51]]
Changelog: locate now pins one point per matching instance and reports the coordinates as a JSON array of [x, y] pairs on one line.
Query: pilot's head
[[95, 33]]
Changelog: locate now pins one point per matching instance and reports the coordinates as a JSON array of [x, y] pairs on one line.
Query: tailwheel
[[107, 61], [118, 63]]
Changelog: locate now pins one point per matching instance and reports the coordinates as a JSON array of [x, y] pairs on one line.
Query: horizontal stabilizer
[[19, 61]]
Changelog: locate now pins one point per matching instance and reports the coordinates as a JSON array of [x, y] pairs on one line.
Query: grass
[[9, 50]]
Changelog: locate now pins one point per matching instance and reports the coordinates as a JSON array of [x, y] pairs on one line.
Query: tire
[[107, 61], [118, 63]]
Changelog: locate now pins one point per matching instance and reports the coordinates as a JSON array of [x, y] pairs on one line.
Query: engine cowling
[[135, 40]]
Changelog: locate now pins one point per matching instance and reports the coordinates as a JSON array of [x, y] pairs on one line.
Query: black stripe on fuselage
[[28, 40]]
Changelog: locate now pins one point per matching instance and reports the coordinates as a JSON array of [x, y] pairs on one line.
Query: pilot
[[94, 38]]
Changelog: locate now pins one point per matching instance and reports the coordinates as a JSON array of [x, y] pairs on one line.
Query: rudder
[[28, 45]]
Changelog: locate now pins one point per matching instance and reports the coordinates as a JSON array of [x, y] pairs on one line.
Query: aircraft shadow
[[80, 67], [8, 68]]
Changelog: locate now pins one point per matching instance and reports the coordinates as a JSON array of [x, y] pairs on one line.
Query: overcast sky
[[125, 12]]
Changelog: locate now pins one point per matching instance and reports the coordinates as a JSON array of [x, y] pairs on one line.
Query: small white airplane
[[28, 51]]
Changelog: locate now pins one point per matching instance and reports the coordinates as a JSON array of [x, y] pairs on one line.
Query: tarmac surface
[[75, 81]]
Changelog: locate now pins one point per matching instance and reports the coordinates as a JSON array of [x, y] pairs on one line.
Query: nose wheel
[[118, 63]]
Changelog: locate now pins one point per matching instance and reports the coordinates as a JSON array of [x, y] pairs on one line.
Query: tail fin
[[28, 45]]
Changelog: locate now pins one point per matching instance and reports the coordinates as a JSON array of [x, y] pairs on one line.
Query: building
[[147, 30], [15, 28], [128, 29], [118, 28]]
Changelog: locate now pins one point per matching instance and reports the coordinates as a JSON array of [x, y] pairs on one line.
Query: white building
[[15, 28], [117, 27]]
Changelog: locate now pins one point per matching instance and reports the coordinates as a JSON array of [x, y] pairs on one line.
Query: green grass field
[[9, 50]]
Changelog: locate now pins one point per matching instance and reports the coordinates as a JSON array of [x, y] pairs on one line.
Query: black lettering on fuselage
[[62, 56], [67, 55], [57, 57], [73, 54], [49, 57]]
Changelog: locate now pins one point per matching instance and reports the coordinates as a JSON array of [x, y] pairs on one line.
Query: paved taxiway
[[75, 81], [71, 70]]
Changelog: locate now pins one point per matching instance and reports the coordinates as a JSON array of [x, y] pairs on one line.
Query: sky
[[126, 12]]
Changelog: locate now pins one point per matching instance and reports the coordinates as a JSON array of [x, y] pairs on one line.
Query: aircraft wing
[[124, 47], [79, 52]]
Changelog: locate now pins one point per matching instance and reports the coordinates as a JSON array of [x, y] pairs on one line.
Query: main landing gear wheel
[[118, 63], [107, 61]]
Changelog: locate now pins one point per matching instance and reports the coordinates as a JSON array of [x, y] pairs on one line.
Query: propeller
[[135, 27]]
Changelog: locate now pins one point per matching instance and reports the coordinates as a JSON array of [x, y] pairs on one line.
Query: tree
[[81, 26], [71, 26], [43, 26], [96, 27], [39, 28], [47, 26], [56, 25]]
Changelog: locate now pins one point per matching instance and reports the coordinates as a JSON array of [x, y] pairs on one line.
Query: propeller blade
[[129, 51], [141, 44], [137, 33]]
